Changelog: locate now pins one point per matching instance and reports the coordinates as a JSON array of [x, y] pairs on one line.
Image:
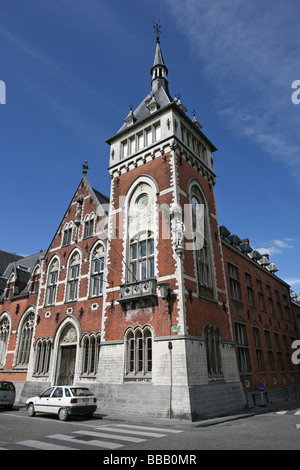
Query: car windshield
[[80, 392]]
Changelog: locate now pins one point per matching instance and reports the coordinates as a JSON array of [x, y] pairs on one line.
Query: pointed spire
[[159, 70]]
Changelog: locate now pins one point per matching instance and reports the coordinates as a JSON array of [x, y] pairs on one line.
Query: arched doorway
[[66, 356]]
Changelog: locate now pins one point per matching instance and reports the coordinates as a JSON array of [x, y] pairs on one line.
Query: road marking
[[129, 431], [94, 443], [281, 412], [43, 445], [135, 426], [109, 436]]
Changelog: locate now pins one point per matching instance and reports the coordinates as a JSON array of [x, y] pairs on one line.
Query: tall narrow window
[[139, 352], [91, 348], [242, 348], [88, 225], [25, 336], [73, 277], [35, 280], [213, 353], [202, 252], [4, 334], [235, 285], [52, 282], [142, 257], [67, 234], [97, 271], [43, 353]]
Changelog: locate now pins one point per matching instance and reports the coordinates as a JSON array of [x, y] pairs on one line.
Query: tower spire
[[159, 70]]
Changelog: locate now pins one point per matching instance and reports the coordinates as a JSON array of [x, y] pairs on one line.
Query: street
[[277, 430]]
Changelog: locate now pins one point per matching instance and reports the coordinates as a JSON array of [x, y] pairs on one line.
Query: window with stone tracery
[[138, 352], [4, 335], [25, 339]]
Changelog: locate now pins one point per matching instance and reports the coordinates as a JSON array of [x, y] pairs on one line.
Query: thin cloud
[[276, 246], [250, 53]]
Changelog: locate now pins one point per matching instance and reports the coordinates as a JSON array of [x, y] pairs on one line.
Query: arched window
[[88, 225], [141, 228], [4, 335], [213, 352], [73, 277], [200, 232], [91, 349], [97, 270], [138, 352], [52, 282], [35, 280], [67, 234], [25, 338], [43, 353]]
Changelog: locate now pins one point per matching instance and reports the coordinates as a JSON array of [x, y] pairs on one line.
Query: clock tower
[[166, 338]]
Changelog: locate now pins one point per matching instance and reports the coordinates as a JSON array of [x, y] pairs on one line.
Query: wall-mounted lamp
[[164, 289]]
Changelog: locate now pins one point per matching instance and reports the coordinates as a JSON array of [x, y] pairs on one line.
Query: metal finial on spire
[[157, 30], [85, 168]]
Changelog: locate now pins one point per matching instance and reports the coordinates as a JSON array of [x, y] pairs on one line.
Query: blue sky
[[72, 68]]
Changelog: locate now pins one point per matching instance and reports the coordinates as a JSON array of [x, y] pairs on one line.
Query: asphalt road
[[267, 431]]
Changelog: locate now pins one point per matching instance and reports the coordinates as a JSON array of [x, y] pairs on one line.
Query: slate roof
[[6, 258], [23, 268]]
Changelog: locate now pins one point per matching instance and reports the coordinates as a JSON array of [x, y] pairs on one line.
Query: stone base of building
[[187, 403]]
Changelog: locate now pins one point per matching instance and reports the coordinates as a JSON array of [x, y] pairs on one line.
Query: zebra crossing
[[106, 437], [290, 412]]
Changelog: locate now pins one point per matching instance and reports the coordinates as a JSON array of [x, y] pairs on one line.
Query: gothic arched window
[[91, 348], [213, 351], [52, 282], [200, 231], [73, 276], [43, 353], [25, 338], [97, 270], [4, 334], [138, 352]]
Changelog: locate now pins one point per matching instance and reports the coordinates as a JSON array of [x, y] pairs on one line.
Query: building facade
[[135, 294]]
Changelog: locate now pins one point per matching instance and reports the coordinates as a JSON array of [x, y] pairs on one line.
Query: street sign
[[175, 329], [261, 387]]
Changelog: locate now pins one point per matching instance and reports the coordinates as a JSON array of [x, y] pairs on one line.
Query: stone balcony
[[138, 294]]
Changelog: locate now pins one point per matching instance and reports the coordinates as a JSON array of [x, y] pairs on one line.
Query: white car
[[63, 401]]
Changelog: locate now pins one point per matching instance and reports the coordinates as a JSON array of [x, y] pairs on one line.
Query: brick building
[[135, 293], [263, 321]]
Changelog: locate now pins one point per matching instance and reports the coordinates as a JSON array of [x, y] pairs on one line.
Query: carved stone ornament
[[69, 335]]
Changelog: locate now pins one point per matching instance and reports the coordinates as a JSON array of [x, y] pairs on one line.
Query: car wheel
[[30, 410], [63, 414]]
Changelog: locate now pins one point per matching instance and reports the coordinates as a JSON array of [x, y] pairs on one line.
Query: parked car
[[64, 401], [7, 394]]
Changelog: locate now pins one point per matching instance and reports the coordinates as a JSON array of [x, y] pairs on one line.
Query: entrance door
[[67, 365]]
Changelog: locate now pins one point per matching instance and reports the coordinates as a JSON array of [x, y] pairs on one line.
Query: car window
[[58, 393], [7, 386], [80, 392], [67, 392], [47, 392]]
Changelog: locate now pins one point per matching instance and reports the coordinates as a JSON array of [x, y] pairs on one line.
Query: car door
[[42, 401], [55, 400]]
